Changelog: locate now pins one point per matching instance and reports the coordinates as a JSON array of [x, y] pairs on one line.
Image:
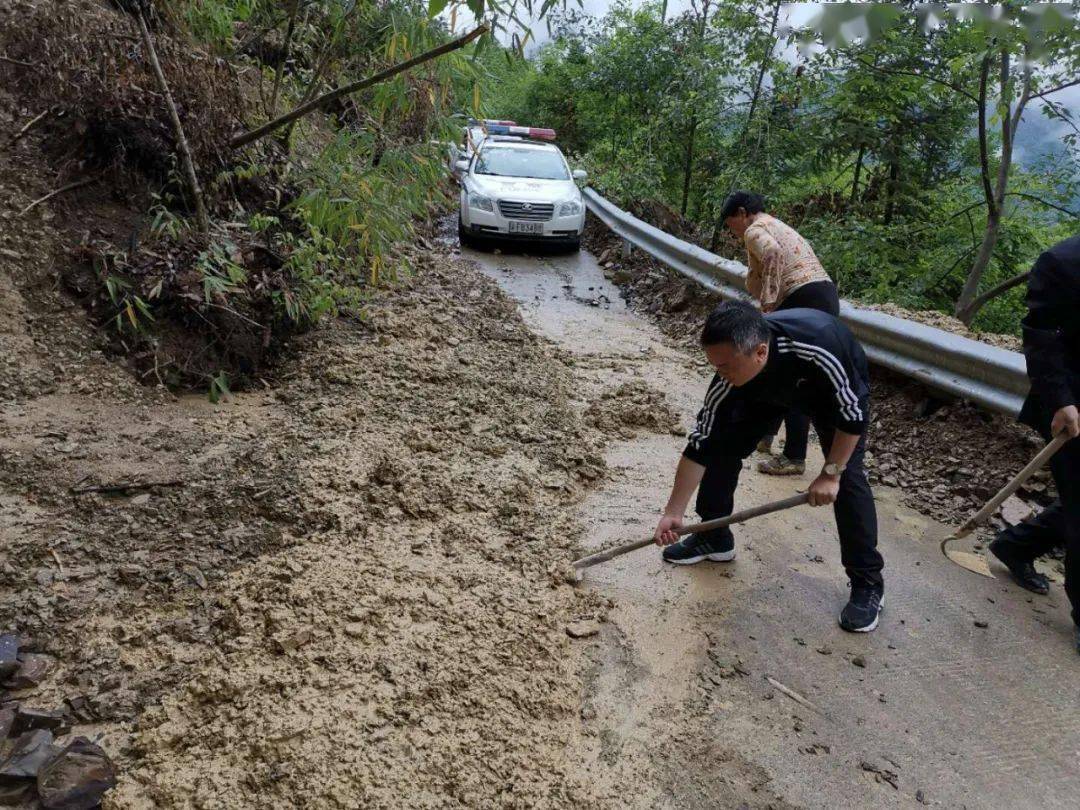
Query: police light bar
[[528, 132]]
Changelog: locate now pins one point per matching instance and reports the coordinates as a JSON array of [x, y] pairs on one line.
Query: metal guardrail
[[992, 377]]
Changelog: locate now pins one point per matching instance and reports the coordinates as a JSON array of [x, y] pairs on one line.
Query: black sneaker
[[695, 548], [1022, 569], [861, 613]]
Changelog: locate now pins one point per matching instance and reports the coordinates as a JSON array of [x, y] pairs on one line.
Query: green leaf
[[435, 7]]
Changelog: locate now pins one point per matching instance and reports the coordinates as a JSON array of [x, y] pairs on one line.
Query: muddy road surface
[[964, 697], [349, 590]]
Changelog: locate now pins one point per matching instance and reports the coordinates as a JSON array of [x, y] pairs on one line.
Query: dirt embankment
[[948, 457]]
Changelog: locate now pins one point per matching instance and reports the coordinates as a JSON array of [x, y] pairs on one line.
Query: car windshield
[[540, 164]]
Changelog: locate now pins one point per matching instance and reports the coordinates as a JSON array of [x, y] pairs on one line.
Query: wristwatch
[[833, 469]]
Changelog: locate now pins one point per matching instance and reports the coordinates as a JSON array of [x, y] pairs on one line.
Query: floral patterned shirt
[[780, 261]]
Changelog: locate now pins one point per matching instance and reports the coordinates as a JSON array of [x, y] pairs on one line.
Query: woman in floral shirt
[[784, 273]]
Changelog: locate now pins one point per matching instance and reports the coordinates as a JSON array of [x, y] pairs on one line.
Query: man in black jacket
[[1052, 349], [765, 365]]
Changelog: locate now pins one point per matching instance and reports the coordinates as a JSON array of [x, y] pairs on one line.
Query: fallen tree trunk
[[261, 132], [186, 159]]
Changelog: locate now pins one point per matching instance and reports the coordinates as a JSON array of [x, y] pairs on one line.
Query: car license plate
[[526, 227]]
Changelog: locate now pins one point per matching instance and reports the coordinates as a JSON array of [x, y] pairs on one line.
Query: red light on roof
[[528, 132]]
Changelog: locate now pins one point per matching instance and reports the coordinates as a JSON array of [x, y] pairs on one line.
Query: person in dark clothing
[[820, 295], [1052, 348], [766, 365]]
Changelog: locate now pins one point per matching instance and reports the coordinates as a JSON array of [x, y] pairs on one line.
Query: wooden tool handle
[[1033, 467], [708, 525]]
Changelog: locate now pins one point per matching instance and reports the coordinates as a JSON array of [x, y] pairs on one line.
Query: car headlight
[[569, 209], [481, 203]]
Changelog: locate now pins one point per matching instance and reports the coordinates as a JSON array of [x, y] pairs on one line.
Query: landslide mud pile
[[416, 653], [634, 406]]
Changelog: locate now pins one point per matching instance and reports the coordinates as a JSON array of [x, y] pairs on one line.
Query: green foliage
[[131, 312], [305, 225], [219, 387], [868, 146], [213, 21], [221, 274]]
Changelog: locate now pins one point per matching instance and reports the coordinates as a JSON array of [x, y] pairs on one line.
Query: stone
[[33, 668], [38, 719], [141, 500], [355, 629], [291, 642], [17, 794], [32, 750], [859, 661], [130, 571], [680, 299], [9, 654], [1014, 510], [197, 576], [76, 778], [583, 629], [80, 708], [7, 720]]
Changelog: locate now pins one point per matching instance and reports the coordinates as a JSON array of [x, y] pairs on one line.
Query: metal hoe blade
[[975, 562]]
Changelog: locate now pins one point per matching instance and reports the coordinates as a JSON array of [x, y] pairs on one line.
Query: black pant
[[1058, 524], [816, 295], [856, 517]]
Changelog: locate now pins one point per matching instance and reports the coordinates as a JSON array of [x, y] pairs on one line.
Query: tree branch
[[898, 72], [984, 158], [284, 57], [27, 127], [186, 159], [1053, 90], [18, 62], [969, 312], [1041, 201], [348, 89], [69, 187], [953, 266]]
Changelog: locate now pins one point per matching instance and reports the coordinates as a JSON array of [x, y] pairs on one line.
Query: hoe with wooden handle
[[976, 562], [718, 523]]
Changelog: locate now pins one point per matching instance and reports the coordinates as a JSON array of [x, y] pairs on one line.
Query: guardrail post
[[627, 246]]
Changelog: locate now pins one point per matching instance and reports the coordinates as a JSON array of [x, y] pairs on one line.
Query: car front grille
[[534, 212]]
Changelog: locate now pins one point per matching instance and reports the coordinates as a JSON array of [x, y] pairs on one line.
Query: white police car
[[517, 188]]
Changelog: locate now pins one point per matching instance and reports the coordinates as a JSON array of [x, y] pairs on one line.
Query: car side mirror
[[580, 174], [462, 166]]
